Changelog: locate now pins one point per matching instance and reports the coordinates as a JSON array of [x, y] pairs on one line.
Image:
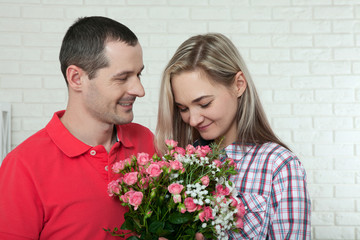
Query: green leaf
[[128, 225], [133, 238], [156, 227], [180, 218]]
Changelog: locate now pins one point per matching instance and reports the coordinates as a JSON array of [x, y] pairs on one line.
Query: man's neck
[[89, 131]]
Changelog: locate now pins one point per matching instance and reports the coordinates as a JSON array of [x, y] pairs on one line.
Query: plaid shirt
[[271, 182]]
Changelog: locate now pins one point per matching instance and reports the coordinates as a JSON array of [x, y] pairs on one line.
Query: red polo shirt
[[53, 186]]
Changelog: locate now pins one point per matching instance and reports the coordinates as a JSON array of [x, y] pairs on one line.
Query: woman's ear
[[240, 83], [73, 77]]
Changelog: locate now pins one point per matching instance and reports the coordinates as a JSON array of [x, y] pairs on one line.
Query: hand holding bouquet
[[179, 194]]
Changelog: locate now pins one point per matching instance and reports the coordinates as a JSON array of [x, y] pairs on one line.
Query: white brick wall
[[304, 56]]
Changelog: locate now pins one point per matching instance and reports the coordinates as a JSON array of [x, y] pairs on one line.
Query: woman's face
[[207, 106]]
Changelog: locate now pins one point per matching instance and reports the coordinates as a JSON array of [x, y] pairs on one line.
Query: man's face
[[109, 97]]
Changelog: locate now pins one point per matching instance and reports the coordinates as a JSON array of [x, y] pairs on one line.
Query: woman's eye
[[182, 109], [206, 105]]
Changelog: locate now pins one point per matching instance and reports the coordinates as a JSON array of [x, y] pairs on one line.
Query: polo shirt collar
[[69, 144]]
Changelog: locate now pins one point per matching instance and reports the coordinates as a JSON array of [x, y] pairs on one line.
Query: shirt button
[[106, 168], [92, 152]]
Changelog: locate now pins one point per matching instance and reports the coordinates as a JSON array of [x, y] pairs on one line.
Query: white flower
[[204, 225]]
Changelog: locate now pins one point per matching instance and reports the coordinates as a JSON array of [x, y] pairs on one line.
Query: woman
[[207, 95]]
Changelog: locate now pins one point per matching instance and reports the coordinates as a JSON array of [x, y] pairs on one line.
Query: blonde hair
[[215, 55]]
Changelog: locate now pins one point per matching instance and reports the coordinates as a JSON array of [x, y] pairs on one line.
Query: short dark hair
[[84, 42]]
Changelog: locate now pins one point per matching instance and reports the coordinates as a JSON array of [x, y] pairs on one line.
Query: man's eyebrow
[[126, 72], [196, 100]]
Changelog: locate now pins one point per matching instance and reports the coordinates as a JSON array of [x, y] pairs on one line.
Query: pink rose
[[114, 187], [190, 205], [175, 188], [220, 189], [130, 178], [154, 170], [234, 202], [217, 162], [177, 198], [206, 214], [200, 152], [241, 210], [190, 149], [125, 198], [136, 199], [171, 143], [205, 180], [143, 158], [240, 223], [118, 166], [206, 149], [180, 150], [176, 165]]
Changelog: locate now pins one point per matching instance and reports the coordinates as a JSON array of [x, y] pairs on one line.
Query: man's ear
[[240, 83], [73, 77]]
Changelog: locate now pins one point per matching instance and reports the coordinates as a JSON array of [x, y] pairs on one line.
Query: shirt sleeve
[[290, 212]]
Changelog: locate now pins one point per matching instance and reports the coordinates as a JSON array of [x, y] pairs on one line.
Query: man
[[54, 184]]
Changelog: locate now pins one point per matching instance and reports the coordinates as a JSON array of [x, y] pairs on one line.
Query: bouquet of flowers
[[175, 196]]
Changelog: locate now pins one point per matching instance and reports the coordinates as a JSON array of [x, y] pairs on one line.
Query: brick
[[350, 136], [129, 12], [347, 54], [347, 109], [50, 108], [251, 13], [350, 191], [273, 82], [229, 27], [334, 40], [27, 110], [167, 40], [331, 122], [272, 27], [350, 163], [346, 80], [346, 26], [266, 3], [290, 40], [10, 95], [169, 13], [292, 13], [311, 2], [335, 177], [302, 149], [155, 54], [292, 122], [322, 219], [19, 25], [7, 67], [335, 95], [75, 12], [325, 137], [105, 2], [54, 82], [289, 68], [191, 2], [10, 39], [55, 26], [247, 41], [146, 2], [270, 54], [336, 12], [44, 96], [214, 13], [321, 191], [33, 124], [278, 109], [44, 40], [329, 204], [43, 11], [10, 11], [19, 137], [329, 68], [311, 82], [309, 27], [311, 54], [13, 82], [293, 96], [347, 219], [334, 150], [314, 163], [334, 233], [63, 2]]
